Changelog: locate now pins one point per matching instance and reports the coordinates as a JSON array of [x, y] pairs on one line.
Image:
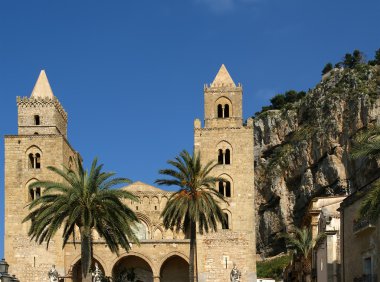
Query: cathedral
[[163, 255]]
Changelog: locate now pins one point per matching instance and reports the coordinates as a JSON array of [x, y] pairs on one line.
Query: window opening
[[220, 156], [228, 189], [226, 111], [220, 111], [37, 120], [38, 192], [38, 161], [34, 193], [221, 188], [367, 266], [31, 160], [31, 194], [227, 159]]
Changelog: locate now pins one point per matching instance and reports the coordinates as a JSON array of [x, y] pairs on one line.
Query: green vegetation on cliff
[[272, 268], [303, 145]]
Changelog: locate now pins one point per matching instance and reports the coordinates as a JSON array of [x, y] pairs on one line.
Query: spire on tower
[[42, 87], [223, 78]]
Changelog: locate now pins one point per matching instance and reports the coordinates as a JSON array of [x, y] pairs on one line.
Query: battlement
[[217, 87], [25, 102]]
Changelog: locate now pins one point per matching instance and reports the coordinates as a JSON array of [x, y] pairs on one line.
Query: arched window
[[141, 230], [225, 188], [227, 157], [220, 111], [37, 120], [228, 189], [34, 193], [225, 223], [34, 161], [220, 156], [221, 187], [31, 161], [38, 161], [224, 151], [226, 111]]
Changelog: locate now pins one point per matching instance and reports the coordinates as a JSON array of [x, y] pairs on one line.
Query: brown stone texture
[[217, 252]]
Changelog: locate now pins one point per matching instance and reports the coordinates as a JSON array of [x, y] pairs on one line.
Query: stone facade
[[224, 138], [162, 254], [41, 142], [325, 218], [360, 241]]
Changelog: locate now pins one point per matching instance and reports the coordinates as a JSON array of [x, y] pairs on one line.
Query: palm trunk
[[193, 235], [86, 250]]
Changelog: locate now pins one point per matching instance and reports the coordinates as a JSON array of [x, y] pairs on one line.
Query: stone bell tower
[[227, 140], [40, 142]]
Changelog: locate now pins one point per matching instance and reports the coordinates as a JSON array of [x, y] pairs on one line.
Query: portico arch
[[174, 268], [133, 265], [76, 269]]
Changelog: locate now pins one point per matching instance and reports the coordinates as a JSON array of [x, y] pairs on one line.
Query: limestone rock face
[[303, 150]]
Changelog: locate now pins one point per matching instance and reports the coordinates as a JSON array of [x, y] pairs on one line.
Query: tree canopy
[[83, 201]]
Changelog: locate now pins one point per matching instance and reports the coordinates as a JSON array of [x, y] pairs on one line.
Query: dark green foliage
[[347, 60], [328, 67], [357, 58], [278, 101], [300, 95], [83, 202], [352, 60], [367, 145], [196, 203], [291, 96], [377, 56], [266, 108], [302, 242], [272, 268], [280, 157], [281, 101], [376, 60]]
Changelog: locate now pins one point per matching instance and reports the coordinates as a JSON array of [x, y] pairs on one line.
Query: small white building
[[326, 255]]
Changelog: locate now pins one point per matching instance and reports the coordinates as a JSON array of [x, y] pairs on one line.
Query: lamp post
[[5, 277], [3, 266]]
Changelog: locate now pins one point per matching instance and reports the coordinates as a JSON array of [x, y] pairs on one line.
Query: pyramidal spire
[[223, 78], [42, 87]]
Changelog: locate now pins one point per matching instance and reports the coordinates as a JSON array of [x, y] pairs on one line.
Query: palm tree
[[195, 203], [367, 144], [302, 242], [83, 201]]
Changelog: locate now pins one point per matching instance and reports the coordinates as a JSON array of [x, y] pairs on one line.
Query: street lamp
[[5, 277], [3, 266]]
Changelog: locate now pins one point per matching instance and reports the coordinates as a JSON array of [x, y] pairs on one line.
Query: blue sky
[[130, 74]]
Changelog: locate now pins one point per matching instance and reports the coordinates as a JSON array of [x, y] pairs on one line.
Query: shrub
[[272, 268], [328, 67], [278, 101], [290, 96]]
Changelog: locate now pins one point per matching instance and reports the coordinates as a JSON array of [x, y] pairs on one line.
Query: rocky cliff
[[303, 150]]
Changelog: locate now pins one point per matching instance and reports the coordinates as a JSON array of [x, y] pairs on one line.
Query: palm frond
[[83, 200]]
